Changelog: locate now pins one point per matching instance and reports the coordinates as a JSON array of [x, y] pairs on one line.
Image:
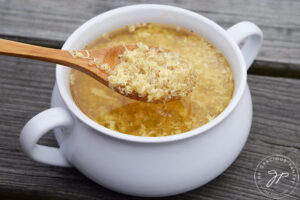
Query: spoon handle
[[19, 49]]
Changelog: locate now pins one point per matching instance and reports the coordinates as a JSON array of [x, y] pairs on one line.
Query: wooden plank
[[25, 89], [52, 21]]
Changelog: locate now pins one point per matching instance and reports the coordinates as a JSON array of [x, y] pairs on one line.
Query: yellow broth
[[211, 95]]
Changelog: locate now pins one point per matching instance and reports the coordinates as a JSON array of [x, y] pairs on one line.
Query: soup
[[212, 92]]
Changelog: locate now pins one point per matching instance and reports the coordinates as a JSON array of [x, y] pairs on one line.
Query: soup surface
[[211, 95]]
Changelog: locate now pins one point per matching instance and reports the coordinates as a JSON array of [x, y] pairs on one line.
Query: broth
[[211, 95]]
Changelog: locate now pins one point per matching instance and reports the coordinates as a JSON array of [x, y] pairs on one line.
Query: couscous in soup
[[211, 93]]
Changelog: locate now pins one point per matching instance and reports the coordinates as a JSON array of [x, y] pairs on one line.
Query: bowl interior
[[120, 17]]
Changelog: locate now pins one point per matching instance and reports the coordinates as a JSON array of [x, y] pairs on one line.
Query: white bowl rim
[[140, 139]]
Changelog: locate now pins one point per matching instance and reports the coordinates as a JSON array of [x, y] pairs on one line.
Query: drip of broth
[[211, 95]]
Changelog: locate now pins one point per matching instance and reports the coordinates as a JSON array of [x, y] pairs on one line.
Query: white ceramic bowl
[[148, 166]]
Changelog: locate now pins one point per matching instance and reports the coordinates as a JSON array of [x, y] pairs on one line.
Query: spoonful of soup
[[149, 74]]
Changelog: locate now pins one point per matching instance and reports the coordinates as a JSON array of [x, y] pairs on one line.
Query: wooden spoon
[[107, 55]]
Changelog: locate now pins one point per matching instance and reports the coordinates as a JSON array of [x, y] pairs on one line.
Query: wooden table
[[26, 86]]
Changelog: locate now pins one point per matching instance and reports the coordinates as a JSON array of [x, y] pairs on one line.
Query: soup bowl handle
[[36, 128], [252, 36]]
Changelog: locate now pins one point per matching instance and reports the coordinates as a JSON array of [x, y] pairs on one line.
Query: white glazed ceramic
[[148, 166]]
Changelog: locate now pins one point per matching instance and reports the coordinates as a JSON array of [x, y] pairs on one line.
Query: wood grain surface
[[25, 89], [52, 21]]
